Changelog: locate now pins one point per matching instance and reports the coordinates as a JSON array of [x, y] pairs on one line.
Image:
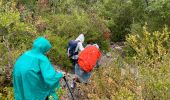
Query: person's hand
[[64, 74]]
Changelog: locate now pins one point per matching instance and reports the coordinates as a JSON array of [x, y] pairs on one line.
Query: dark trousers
[[46, 98], [74, 62]]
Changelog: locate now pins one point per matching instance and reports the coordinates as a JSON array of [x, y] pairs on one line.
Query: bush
[[108, 83], [148, 45], [58, 53], [15, 36], [149, 53], [158, 14], [6, 93], [155, 79], [120, 80]]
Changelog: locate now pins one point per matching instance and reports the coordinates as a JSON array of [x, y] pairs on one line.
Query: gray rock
[[108, 54]]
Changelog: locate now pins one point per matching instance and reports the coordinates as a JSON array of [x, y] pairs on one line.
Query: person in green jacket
[[34, 77]]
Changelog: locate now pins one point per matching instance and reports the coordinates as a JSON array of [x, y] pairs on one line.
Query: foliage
[[14, 36], [58, 52], [6, 93], [155, 79], [119, 15], [70, 25], [148, 46], [149, 52], [108, 82], [102, 22], [158, 14], [120, 80]]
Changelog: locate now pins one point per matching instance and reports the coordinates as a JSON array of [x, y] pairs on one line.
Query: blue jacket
[[34, 77]]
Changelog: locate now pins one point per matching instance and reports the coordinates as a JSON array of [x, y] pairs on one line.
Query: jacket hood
[[41, 45], [80, 38]]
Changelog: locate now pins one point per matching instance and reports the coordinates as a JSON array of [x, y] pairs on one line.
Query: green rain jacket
[[34, 77]]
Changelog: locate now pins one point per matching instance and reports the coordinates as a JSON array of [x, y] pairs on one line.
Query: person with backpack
[[34, 77], [87, 60], [74, 47]]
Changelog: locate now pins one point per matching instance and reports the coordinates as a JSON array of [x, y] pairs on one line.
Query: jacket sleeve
[[50, 76], [80, 46], [53, 94]]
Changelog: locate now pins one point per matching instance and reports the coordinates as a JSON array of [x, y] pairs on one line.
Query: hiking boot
[[76, 79], [73, 84]]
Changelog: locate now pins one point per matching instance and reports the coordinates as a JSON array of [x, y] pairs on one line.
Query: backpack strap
[[76, 53]]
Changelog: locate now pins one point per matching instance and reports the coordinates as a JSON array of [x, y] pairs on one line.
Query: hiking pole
[[68, 87]]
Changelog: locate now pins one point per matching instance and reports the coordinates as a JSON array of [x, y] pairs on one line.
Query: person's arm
[[53, 94], [80, 46], [50, 76]]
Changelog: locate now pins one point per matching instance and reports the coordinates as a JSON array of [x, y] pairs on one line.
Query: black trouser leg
[[74, 62], [46, 98]]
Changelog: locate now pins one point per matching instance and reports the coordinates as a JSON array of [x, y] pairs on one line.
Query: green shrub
[[114, 82], [69, 25], [6, 93], [108, 83], [148, 45], [158, 14], [155, 81], [58, 53], [15, 36], [150, 54]]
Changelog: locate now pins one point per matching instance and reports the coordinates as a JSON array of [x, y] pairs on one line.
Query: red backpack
[[88, 57]]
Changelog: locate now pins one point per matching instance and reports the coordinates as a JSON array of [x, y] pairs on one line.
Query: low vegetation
[[141, 25]]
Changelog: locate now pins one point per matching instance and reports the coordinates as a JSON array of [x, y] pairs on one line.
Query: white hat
[[80, 38]]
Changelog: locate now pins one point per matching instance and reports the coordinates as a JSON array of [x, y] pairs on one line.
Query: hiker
[[74, 47], [87, 60], [34, 77]]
